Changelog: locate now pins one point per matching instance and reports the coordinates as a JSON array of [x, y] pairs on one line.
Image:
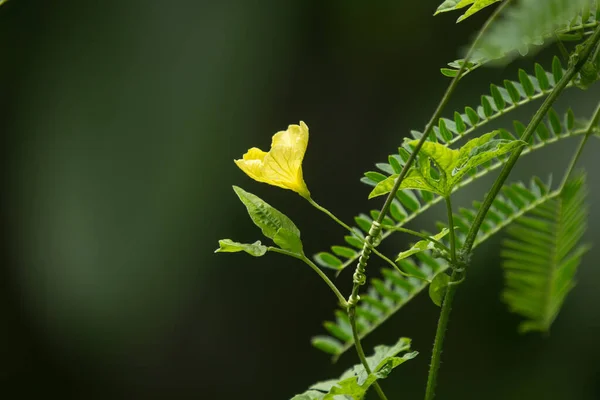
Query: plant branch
[[578, 62], [452, 233], [440, 335], [360, 352], [349, 228]]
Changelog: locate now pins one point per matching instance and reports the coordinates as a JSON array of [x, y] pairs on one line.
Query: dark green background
[[120, 121]]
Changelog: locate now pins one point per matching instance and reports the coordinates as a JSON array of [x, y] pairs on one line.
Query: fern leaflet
[[409, 204], [542, 254], [385, 297]]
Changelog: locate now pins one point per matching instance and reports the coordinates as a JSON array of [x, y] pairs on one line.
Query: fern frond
[[410, 204], [501, 100], [573, 23], [356, 381], [542, 254], [387, 296], [530, 22]]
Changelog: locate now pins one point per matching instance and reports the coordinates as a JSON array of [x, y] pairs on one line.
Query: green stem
[[452, 233], [439, 336], [588, 132], [360, 352], [325, 278], [529, 131]]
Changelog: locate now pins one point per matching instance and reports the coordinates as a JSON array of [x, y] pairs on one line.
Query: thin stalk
[[590, 128], [377, 252], [529, 131], [452, 233], [440, 334], [325, 278], [361, 353]]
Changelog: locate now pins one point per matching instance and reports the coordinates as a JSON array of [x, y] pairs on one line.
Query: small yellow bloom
[[282, 165]]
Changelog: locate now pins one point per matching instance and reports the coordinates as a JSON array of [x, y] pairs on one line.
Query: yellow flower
[[282, 165]]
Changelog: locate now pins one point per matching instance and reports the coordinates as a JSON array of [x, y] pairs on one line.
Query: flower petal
[[282, 165], [252, 163]]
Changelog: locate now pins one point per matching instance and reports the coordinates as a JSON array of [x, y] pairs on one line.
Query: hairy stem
[[529, 131], [360, 352], [325, 278], [364, 242], [590, 128], [349, 228], [452, 234], [439, 336]]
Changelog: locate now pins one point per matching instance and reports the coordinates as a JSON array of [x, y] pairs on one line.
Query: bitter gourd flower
[[282, 165]]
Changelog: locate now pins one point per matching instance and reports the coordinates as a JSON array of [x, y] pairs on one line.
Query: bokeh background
[[120, 121]]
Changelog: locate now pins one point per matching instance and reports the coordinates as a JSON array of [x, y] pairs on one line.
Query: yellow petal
[[252, 163], [282, 165]]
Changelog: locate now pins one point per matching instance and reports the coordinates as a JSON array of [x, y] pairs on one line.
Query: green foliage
[[255, 249], [476, 5], [542, 254], [501, 100], [387, 296], [354, 383], [528, 22], [451, 165], [409, 204], [575, 29], [273, 223], [437, 288], [422, 245]]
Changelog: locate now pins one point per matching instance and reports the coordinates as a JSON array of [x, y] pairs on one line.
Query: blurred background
[[120, 121]]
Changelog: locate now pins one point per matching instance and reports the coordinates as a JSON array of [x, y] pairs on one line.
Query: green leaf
[[477, 5], [527, 83], [479, 151], [557, 70], [274, 224], [452, 165], [451, 5], [541, 76], [497, 96], [328, 260], [541, 256], [288, 240], [526, 23], [355, 382], [327, 344], [422, 245], [413, 180], [255, 249], [437, 288]]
